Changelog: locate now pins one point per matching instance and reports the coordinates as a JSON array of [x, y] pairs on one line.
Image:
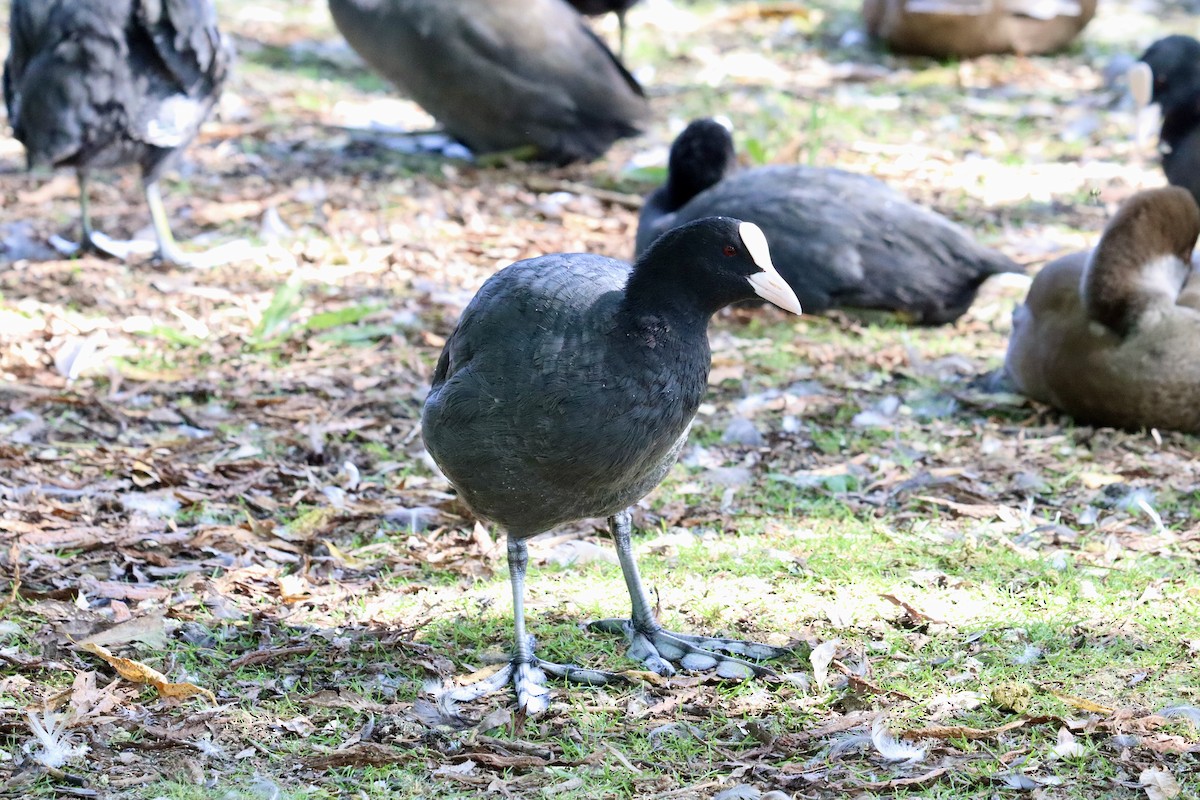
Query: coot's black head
[[704, 266], [701, 155], [595, 8], [1174, 62]]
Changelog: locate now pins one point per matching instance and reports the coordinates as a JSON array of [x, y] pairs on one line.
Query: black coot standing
[[597, 8], [841, 239], [567, 390], [1168, 74], [500, 75], [93, 85]]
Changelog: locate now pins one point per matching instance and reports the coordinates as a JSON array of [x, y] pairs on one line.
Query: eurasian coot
[[1168, 74], [1112, 337], [500, 75], [567, 390], [840, 239], [93, 85]]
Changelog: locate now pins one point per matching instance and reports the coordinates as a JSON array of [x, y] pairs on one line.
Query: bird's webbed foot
[[658, 648]]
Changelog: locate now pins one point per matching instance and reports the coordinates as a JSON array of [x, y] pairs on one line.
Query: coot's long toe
[[567, 390], [841, 239]]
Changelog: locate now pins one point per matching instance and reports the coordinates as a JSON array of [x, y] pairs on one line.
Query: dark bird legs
[[525, 671], [649, 642], [656, 647], [167, 250]]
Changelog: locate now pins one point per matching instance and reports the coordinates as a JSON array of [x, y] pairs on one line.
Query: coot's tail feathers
[[996, 263]]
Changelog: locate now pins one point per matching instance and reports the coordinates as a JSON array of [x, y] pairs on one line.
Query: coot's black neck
[[671, 299], [1180, 120]]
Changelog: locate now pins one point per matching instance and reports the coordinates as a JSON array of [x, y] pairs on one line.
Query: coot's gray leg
[[93, 241], [621, 29], [85, 213], [169, 251], [656, 647], [526, 672]]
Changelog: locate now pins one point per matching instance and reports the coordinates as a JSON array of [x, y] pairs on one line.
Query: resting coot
[[500, 74], [1168, 74], [567, 390], [1112, 337], [839, 238], [92, 85]]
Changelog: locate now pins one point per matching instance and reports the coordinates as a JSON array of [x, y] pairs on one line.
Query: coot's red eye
[[730, 250]]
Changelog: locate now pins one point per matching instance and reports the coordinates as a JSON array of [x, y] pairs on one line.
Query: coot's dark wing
[[105, 84], [187, 41], [67, 79], [536, 413]]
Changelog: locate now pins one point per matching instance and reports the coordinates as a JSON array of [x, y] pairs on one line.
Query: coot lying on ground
[[1112, 337], [566, 391], [500, 75], [596, 8], [839, 238], [92, 85], [969, 28], [1169, 74]]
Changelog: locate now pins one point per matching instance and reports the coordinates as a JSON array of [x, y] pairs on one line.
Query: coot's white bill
[[768, 284]]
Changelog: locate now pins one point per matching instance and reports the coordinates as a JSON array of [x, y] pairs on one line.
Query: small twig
[[539, 183], [527, 748], [692, 790], [621, 757]]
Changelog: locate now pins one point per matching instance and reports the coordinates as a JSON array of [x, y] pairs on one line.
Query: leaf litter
[[221, 468]]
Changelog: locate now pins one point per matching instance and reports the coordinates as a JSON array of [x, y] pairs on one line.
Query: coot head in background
[[1111, 337], [500, 75], [842, 240], [97, 85], [566, 391], [1168, 74]]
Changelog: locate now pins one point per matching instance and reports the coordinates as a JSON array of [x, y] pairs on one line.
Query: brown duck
[[1110, 336], [969, 28]]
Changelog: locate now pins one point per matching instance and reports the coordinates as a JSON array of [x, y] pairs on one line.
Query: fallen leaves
[[1159, 784], [138, 672]]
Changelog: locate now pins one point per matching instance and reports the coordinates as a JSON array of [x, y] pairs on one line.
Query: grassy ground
[[984, 598]]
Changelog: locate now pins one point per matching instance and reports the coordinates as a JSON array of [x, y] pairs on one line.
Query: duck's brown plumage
[[1112, 336], [969, 28]]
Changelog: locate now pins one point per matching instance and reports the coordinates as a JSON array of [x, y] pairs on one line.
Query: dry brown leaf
[[1159, 784], [293, 588], [138, 672], [960, 731], [1082, 704]]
